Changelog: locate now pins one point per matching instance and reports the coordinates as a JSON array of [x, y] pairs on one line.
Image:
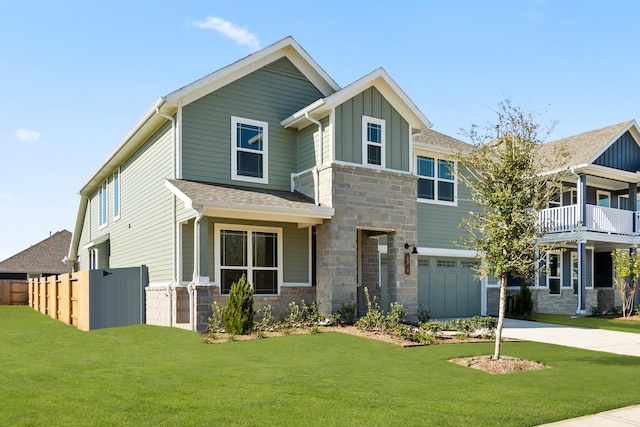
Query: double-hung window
[[436, 180], [554, 272], [116, 194], [256, 253], [102, 205], [249, 150], [373, 141]]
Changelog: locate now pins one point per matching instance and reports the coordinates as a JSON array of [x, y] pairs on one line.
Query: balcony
[[597, 218]]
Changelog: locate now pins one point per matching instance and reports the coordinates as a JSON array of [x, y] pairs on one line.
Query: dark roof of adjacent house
[[43, 257], [433, 138], [581, 149]]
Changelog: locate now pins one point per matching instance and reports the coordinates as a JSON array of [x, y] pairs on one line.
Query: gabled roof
[[44, 257], [431, 140], [585, 148], [231, 201], [379, 79]]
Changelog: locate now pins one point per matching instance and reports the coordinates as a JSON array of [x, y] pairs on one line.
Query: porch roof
[[231, 201]]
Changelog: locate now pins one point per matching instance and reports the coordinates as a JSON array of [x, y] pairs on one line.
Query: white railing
[[597, 218], [563, 218]]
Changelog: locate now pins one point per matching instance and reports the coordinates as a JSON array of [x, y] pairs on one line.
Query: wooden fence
[[64, 297], [14, 292]]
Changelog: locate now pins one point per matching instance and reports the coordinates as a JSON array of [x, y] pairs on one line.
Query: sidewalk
[[624, 343]]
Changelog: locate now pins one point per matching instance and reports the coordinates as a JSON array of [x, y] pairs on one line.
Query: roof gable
[[379, 79], [623, 154], [286, 47], [44, 257]]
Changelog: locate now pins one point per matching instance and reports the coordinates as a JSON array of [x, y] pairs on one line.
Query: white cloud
[[226, 28], [27, 135]]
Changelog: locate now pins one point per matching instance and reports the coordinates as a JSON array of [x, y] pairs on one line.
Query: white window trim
[[571, 196], [602, 192], [234, 150], [365, 141], [249, 229], [435, 178], [626, 196], [548, 276], [103, 188], [119, 195]]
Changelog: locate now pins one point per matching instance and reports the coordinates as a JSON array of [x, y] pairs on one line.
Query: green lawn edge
[[146, 375]]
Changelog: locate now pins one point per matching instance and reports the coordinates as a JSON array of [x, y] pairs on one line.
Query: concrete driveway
[[625, 343]]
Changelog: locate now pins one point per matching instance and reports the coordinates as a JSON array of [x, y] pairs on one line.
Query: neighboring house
[[597, 212], [42, 259]]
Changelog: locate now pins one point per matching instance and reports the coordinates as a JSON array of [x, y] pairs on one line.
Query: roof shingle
[[44, 257]]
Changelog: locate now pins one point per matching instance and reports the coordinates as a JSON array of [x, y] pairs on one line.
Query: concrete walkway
[[624, 343]]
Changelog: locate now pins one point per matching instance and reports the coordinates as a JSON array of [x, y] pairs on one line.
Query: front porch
[[599, 219]]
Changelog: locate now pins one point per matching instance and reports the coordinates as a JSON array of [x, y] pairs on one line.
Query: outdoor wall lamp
[[414, 251]]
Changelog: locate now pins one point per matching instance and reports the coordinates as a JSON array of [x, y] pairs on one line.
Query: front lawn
[[590, 322], [53, 374]]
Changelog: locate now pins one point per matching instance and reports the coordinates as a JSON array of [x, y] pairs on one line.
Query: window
[[623, 202], [436, 180], [554, 273], [574, 271], [116, 194], [102, 205], [604, 199], [555, 200], [373, 138], [442, 263], [249, 150], [255, 253], [574, 196]]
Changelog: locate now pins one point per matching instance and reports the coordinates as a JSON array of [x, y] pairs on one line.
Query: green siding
[[144, 232], [187, 251], [309, 146], [348, 131], [438, 225], [270, 94]]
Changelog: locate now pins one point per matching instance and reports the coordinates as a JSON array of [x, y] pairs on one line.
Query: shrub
[[215, 323], [311, 315], [524, 302], [595, 311], [423, 314], [294, 317], [396, 316], [238, 315], [433, 327], [346, 314], [268, 320], [374, 319]]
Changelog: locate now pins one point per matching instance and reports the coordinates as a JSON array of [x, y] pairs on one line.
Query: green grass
[[53, 374], [590, 322]]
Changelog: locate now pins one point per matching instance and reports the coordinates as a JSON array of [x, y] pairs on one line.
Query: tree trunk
[[503, 298]]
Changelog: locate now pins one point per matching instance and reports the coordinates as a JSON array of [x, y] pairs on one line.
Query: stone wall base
[[564, 303]]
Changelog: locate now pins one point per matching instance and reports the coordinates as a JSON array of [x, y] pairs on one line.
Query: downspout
[[191, 287], [316, 174], [175, 242]]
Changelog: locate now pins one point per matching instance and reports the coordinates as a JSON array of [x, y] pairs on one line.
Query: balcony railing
[[597, 218]]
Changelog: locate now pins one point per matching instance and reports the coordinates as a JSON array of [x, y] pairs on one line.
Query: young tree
[[238, 314], [627, 268], [507, 183]]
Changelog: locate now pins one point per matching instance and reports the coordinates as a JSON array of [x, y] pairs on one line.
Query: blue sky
[[75, 76]]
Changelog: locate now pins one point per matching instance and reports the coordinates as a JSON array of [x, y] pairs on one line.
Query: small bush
[[396, 316], [433, 327], [346, 314], [294, 317], [594, 310], [374, 319], [311, 315], [524, 303], [238, 315], [268, 320], [615, 310], [423, 314], [215, 323]]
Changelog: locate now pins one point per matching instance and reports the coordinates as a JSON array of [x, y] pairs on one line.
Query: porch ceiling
[[229, 201]]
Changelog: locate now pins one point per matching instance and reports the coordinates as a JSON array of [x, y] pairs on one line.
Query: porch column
[[402, 282], [582, 276], [582, 199], [633, 195], [204, 247]]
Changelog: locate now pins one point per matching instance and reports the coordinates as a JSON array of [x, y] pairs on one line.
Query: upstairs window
[[436, 180], [373, 141], [116, 194], [604, 198], [249, 150], [102, 205]]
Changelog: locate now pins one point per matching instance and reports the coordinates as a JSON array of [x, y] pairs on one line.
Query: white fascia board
[[127, 146], [298, 119], [423, 147], [72, 256], [607, 172], [96, 242], [286, 47], [188, 203]]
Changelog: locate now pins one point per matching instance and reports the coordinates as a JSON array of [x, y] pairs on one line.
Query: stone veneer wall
[[366, 199], [544, 302]]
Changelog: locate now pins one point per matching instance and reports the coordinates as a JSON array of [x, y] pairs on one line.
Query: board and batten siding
[[144, 232], [348, 129], [295, 249], [623, 154], [438, 225], [269, 94]]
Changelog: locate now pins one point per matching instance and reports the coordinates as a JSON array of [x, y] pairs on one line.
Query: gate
[[116, 297]]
